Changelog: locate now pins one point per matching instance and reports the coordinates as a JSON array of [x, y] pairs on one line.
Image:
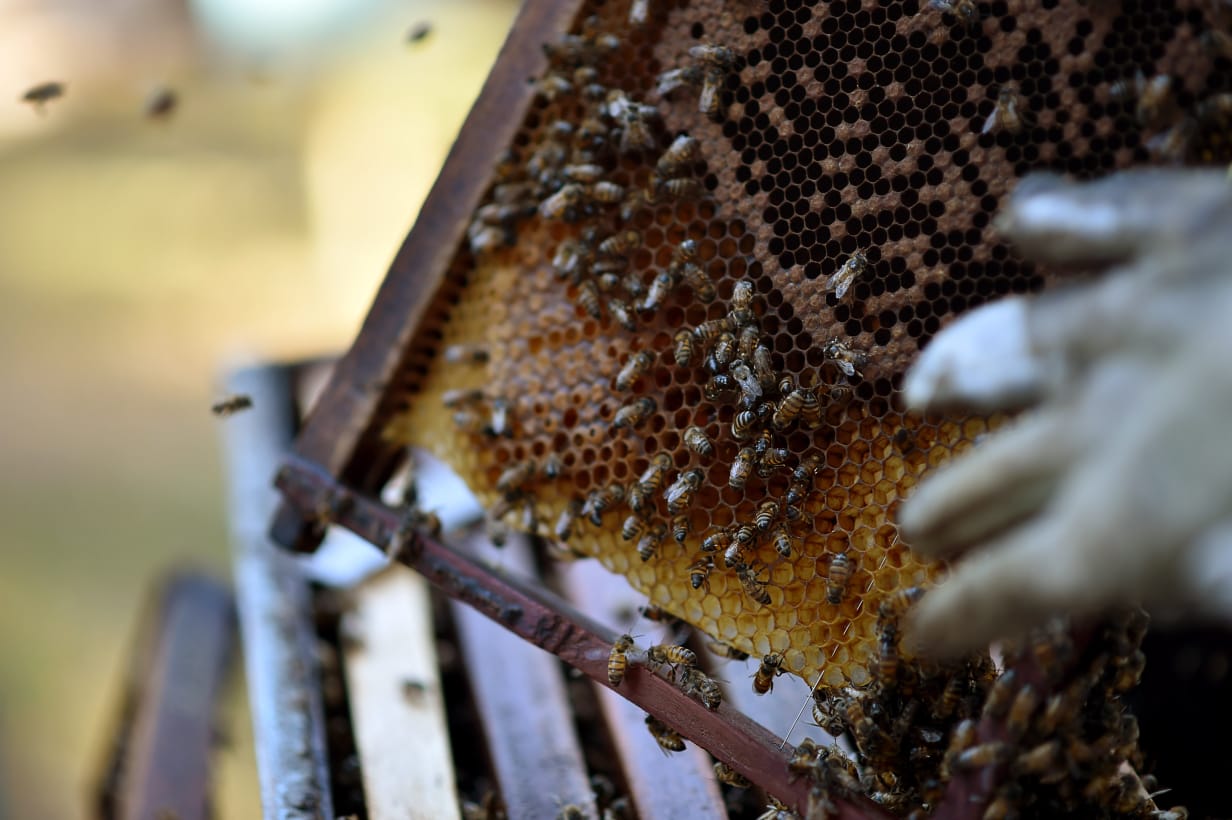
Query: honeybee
[[699, 572], [967, 12], [621, 243], [516, 475], [753, 587], [1053, 649], [633, 527], [1008, 114], [750, 387], [468, 421], [231, 405], [622, 314], [708, 332], [680, 188], [568, 517], [746, 344], [736, 549], [1128, 674], [893, 607], [570, 260], [680, 494], [718, 386], [951, 695], [963, 738], [770, 668], [679, 158], [887, 657], [683, 348], [601, 500], [1039, 760], [1174, 144], [161, 104], [743, 424], [606, 192], [763, 366], [790, 407], [840, 281], [984, 754], [767, 512], [668, 739], [585, 173], [728, 651], [652, 478], [639, 12], [552, 466], [564, 203], [717, 540], [670, 654], [772, 459], [43, 93], [723, 353], [553, 85], [660, 287], [802, 479], [588, 298], [649, 543], [1156, 102], [466, 354], [688, 76], [1019, 718], [1000, 696], [847, 360], [571, 812], [500, 422], [634, 413], [730, 777], [838, 576], [782, 541], [741, 468], [618, 660], [696, 278], [696, 683], [716, 61], [681, 526], [462, 396], [696, 440]]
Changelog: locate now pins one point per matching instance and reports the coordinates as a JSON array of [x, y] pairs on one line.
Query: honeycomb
[[833, 206]]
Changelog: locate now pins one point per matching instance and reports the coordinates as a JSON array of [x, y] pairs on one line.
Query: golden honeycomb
[[836, 129]]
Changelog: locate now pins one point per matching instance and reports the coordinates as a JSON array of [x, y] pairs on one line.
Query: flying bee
[[723, 353], [681, 526], [668, 739], [728, 651], [600, 501], [231, 405], [621, 243], [670, 654], [649, 543], [1008, 114], [695, 439], [1018, 719], [1000, 696], [682, 350], [568, 517], [660, 288], [767, 512], [770, 668], [161, 104], [837, 578], [840, 281], [743, 423], [43, 93], [588, 298], [690, 76], [634, 413], [564, 203], [696, 278], [699, 572], [790, 407], [633, 527], [467, 354], [516, 475], [606, 192], [460, 397], [679, 158], [753, 587], [847, 360], [717, 540], [680, 494], [782, 541], [730, 777], [967, 12], [741, 468], [893, 607], [750, 387], [684, 188], [984, 754]]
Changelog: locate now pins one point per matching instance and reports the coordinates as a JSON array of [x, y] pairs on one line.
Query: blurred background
[[139, 257]]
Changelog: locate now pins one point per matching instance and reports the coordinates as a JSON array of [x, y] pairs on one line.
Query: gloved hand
[[1117, 487]]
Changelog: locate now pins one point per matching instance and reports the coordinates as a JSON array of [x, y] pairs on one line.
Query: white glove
[[1117, 488]]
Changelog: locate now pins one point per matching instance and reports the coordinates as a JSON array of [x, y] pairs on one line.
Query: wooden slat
[[683, 784], [274, 607], [397, 710], [520, 693]]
